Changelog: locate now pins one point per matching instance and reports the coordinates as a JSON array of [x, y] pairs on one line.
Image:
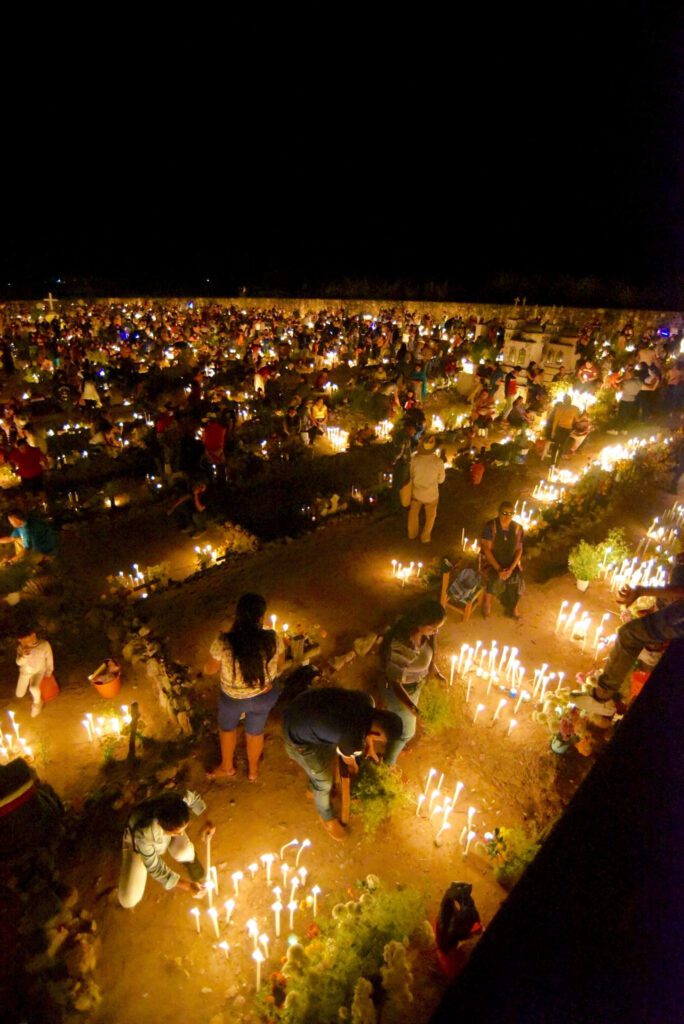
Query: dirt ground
[[153, 966]]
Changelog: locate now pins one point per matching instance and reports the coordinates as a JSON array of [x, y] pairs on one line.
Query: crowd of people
[[197, 388]]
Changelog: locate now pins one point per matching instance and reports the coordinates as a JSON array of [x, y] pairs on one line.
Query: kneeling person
[[155, 826]]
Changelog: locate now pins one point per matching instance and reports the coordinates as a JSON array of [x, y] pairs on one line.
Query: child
[[34, 658]]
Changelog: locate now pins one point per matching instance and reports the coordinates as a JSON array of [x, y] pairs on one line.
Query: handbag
[[49, 688], [405, 493]]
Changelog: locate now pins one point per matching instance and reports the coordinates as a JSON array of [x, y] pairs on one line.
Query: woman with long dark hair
[[408, 652], [248, 657]]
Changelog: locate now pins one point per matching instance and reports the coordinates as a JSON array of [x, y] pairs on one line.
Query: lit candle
[[86, 726], [292, 906], [511, 726], [561, 616], [315, 891], [433, 796], [512, 659], [394, 567], [237, 877], [274, 619], [213, 914], [439, 784], [502, 704], [431, 773], [276, 908], [304, 844], [471, 814], [253, 931], [444, 827], [478, 709], [421, 801], [437, 810], [447, 809], [253, 868], [457, 792], [10, 715], [225, 947], [464, 648], [229, 907], [453, 667], [468, 688], [267, 859], [294, 885], [503, 658], [303, 873], [285, 869], [209, 886], [263, 939], [471, 836], [258, 956], [561, 676], [196, 914], [293, 842]]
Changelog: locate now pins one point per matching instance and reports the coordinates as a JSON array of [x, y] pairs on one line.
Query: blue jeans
[[408, 719], [656, 628], [317, 762]]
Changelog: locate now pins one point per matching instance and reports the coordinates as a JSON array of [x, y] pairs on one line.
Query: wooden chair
[[463, 608]]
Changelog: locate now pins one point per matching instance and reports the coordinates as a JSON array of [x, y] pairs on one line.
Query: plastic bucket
[[638, 680], [49, 689], [108, 689]]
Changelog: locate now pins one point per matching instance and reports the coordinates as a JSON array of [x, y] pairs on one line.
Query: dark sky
[[544, 157]]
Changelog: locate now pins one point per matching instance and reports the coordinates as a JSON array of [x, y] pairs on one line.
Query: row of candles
[[296, 877], [504, 672], [428, 807], [575, 624], [406, 572], [13, 744], [106, 725], [338, 438], [665, 536]]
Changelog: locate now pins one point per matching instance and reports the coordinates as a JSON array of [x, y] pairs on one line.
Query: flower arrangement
[[378, 937], [511, 850]]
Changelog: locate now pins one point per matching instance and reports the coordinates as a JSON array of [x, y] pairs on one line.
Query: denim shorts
[[255, 709]]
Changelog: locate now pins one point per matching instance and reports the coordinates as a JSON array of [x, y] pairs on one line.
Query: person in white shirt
[[156, 826], [427, 473], [35, 660]]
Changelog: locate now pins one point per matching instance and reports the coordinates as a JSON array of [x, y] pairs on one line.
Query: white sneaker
[[586, 701], [36, 709]]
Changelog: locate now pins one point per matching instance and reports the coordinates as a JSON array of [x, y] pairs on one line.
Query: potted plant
[[584, 562]]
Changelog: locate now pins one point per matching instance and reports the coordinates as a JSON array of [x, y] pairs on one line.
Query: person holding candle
[[249, 658], [408, 653], [501, 552], [156, 826], [319, 724]]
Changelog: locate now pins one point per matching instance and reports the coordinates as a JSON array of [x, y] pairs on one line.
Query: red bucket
[[49, 689], [639, 678]]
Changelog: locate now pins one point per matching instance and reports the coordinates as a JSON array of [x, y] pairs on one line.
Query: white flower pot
[[582, 584]]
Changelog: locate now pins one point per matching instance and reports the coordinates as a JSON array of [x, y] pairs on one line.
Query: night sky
[[546, 164]]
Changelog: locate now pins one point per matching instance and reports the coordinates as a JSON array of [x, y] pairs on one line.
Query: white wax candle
[[304, 844], [478, 709], [511, 726], [225, 947], [276, 908], [196, 914], [213, 914], [471, 836], [292, 906], [502, 704], [457, 792], [420, 802], [293, 842], [315, 890], [258, 956], [453, 667], [229, 907]]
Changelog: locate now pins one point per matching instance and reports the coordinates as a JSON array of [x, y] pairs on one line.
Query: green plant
[[615, 548], [322, 977], [438, 709], [378, 791], [584, 561], [511, 849]]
